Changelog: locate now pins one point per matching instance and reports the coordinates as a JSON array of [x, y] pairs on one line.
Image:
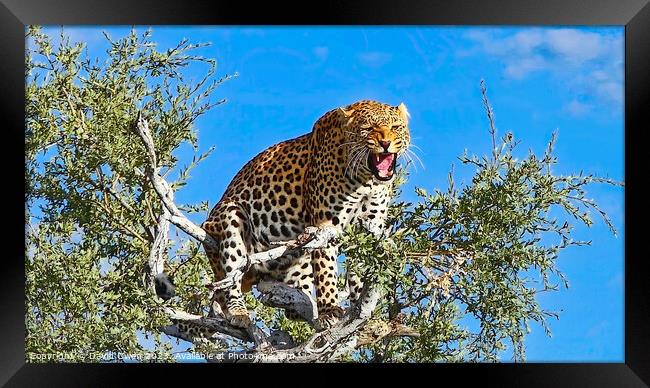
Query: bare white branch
[[157, 253], [165, 192]]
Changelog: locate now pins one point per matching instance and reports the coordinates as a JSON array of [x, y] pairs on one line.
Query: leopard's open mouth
[[382, 165]]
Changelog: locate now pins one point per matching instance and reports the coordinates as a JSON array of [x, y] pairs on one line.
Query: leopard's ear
[[345, 115], [403, 112]]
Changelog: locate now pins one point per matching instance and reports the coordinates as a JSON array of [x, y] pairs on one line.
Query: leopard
[[338, 174]]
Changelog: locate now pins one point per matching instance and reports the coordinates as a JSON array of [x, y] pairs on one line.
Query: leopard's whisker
[[360, 159], [355, 160], [415, 146], [353, 152], [412, 161], [346, 143], [409, 159], [364, 158], [413, 154]]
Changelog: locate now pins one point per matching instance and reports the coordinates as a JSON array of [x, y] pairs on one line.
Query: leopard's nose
[[385, 144]]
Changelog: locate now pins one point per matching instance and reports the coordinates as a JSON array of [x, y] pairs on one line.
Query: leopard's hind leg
[[325, 266], [229, 224]]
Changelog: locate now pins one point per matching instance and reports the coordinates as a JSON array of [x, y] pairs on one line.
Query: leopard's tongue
[[383, 163]]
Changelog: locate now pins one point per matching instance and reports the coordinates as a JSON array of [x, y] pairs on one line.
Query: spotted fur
[[337, 174]]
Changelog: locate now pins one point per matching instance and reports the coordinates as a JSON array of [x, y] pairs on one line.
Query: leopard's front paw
[[328, 317]]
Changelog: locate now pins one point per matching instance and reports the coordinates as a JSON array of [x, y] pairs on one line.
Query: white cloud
[[321, 52], [590, 63], [577, 108], [604, 86], [547, 49], [527, 41], [611, 90], [576, 46], [374, 58], [520, 69]]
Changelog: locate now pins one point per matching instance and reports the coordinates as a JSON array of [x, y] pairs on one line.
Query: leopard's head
[[376, 135]]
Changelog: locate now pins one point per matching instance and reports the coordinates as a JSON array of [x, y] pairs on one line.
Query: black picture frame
[[633, 14]]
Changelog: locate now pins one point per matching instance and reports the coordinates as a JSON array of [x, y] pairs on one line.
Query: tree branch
[[280, 295]]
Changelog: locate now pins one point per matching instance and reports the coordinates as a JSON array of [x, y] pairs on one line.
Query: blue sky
[[539, 80]]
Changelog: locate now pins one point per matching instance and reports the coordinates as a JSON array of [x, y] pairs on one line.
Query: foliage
[[474, 256], [91, 214]]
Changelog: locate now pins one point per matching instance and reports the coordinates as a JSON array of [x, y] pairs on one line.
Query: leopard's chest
[[363, 201]]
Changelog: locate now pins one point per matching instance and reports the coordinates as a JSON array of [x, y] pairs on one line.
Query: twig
[[119, 222], [490, 115]]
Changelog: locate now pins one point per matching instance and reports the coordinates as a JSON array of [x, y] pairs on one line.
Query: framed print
[[430, 187]]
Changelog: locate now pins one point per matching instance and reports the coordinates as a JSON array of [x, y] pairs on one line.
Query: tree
[[100, 140]]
